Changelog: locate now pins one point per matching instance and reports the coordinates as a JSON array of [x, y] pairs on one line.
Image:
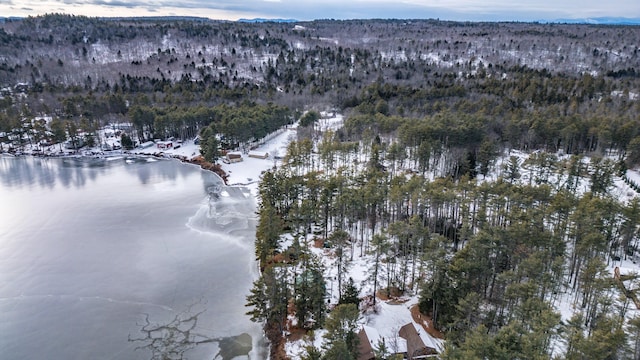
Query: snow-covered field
[[248, 172]]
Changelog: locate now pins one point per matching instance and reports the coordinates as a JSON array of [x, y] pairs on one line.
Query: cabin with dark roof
[[420, 344], [367, 340]]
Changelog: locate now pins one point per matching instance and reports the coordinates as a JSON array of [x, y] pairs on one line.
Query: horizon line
[[603, 20]]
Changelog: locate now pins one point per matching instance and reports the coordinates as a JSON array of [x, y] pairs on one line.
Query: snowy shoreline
[[245, 173]]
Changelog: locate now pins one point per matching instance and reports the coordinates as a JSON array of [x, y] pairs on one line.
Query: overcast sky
[[473, 10]]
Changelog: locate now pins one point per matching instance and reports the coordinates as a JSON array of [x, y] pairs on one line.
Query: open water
[[95, 251]]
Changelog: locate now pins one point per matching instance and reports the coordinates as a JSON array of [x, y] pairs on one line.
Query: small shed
[[234, 157], [258, 154], [145, 145], [164, 145]]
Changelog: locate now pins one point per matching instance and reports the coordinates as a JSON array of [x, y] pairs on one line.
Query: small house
[[234, 157], [419, 343], [368, 339], [164, 145], [258, 154]]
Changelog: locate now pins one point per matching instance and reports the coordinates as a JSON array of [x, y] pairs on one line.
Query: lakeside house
[[420, 344], [258, 154], [366, 343], [233, 157], [370, 340], [164, 145]]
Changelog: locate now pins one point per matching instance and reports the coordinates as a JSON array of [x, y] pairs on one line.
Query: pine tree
[[601, 175], [339, 350], [258, 300], [512, 169], [341, 326], [350, 294], [209, 144], [269, 298], [607, 340], [267, 233], [477, 346], [126, 142], [338, 240], [629, 227], [310, 295], [59, 131], [312, 353], [309, 118], [633, 330], [380, 247], [381, 350]]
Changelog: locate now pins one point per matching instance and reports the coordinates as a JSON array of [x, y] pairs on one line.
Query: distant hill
[[132, 18], [99, 52], [597, 21], [4, 18], [159, 18], [262, 20]]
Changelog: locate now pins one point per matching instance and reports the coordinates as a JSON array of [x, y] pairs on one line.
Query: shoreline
[[196, 160], [245, 173], [179, 246], [260, 342]]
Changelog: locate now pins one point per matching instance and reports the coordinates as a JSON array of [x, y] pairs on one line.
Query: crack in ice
[[83, 298]]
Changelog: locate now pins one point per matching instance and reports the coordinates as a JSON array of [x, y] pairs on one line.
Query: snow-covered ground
[[245, 173], [388, 317], [248, 172]]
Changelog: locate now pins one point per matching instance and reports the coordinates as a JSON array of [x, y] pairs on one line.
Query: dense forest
[[491, 258], [422, 178], [526, 86]]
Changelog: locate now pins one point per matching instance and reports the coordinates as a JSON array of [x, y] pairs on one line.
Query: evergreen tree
[[380, 246], [269, 296], [350, 294], [342, 326], [512, 169], [338, 240], [59, 131], [310, 295], [633, 329], [629, 228], [126, 141], [381, 350], [601, 175], [209, 144], [339, 350], [312, 353], [259, 300], [607, 340], [309, 118], [267, 233]]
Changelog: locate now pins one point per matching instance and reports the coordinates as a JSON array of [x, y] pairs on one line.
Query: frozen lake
[[90, 248]]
